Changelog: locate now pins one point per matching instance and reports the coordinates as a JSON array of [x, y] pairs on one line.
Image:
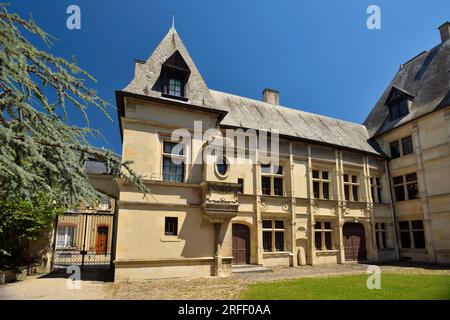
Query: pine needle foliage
[[39, 150]]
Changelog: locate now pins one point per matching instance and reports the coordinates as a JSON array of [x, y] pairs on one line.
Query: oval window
[[222, 166]]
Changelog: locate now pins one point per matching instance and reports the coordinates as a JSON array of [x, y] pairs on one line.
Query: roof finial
[[173, 21]]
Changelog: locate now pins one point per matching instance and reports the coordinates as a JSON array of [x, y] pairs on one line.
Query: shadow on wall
[[198, 234], [40, 252]]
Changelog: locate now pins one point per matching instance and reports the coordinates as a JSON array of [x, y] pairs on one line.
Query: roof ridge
[[413, 58], [288, 108], [425, 77]]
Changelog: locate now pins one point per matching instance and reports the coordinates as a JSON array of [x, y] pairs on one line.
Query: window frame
[[274, 230], [224, 163], [180, 76], [380, 230], [168, 223], [391, 148], [401, 107], [321, 181], [376, 189], [241, 182], [411, 231], [323, 231], [401, 147], [272, 176], [350, 185], [405, 185], [165, 155], [410, 143], [65, 241], [176, 81]]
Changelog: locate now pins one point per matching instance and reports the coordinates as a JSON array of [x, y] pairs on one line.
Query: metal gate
[[84, 239]]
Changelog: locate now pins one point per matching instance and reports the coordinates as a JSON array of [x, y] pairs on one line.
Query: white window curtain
[[65, 237]]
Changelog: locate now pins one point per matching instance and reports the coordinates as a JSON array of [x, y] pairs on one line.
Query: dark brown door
[[101, 245], [241, 244], [354, 242]]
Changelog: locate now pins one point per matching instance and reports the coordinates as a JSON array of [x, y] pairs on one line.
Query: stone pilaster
[[423, 195], [338, 196], [312, 247], [341, 203], [258, 217], [293, 257]]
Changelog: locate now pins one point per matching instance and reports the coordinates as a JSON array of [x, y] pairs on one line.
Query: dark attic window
[[398, 103], [399, 110], [174, 76]]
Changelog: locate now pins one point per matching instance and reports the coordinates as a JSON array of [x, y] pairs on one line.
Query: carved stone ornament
[[222, 187], [368, 209], [314, 205], [344, 207], [222, 200], [263, 205]]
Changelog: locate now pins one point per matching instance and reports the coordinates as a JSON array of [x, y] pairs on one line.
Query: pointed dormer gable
[[396, 94], [176, 62], [173, 78], [398, 103], [151, 78]]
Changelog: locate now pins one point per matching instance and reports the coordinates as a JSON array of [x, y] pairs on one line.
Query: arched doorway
[[354, 242], [241, 244]]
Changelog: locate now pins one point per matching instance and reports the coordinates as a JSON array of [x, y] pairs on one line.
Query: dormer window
[[398, 103], [399, 109], [175, 87], [174, 76]]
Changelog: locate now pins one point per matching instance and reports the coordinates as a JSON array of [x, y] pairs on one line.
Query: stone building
[[411, 124], [328, 200]]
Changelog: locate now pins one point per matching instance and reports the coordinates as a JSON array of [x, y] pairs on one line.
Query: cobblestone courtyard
[[54, 287]]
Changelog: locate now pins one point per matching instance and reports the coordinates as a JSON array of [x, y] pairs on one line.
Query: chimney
[[271, 96], [444, 30]]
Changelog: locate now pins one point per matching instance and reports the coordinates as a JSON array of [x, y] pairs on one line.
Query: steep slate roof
[[147, 73], [254, 114], [426, 78], [244, 112]]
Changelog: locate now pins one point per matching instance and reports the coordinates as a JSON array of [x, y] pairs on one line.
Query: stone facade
[[430, 160], [331, 201], [418, 143]]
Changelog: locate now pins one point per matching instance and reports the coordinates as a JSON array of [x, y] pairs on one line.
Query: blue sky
[[318, 54]]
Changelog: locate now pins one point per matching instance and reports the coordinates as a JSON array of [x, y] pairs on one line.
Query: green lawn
[[393, 286]]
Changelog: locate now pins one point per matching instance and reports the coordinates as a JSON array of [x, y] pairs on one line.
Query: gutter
[[120, 95]]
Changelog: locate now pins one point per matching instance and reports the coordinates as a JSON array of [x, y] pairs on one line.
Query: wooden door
[[354, 242], [241, 244], [101, 245]]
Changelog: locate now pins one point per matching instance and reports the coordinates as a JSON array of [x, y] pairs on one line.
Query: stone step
[[247, 268]]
